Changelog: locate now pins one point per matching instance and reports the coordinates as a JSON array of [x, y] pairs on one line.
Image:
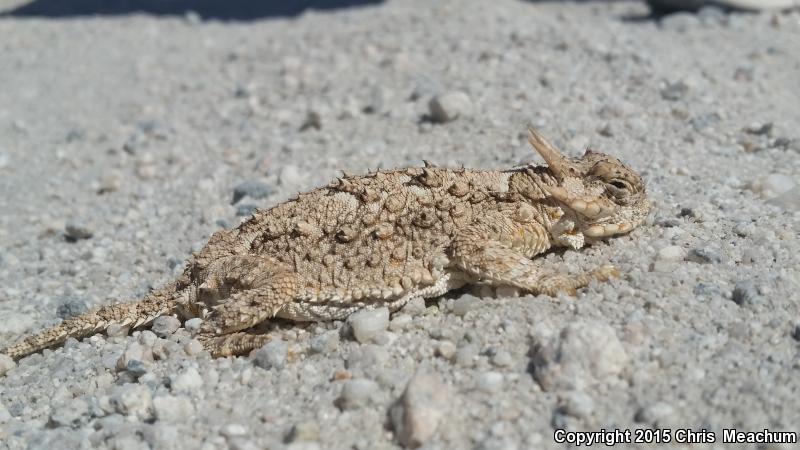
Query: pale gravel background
[[166, 115]]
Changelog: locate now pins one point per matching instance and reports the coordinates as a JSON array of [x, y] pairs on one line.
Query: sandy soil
[[124, 135]]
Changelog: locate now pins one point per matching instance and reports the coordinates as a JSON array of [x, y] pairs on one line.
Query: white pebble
[[490, 382], [578, 404], [290, 175], [656, 414], [188, 380], [772, 185], [272, 355], [193, 325], [165, 325], [357, 393], [672, 253], [450, 106], [464, 305], [400, 322], [581, 355], [446, 349], [325, 342], [419, 411], [502, 359], [172, 408], [6, 364], [132, 400], [368, 324]]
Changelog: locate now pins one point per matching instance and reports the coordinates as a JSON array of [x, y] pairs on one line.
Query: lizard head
[[606, 196]]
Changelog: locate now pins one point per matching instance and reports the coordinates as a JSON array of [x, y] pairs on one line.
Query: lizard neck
[[552, 226]]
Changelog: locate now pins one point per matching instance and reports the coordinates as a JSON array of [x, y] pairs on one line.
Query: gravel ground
[[126, 140]]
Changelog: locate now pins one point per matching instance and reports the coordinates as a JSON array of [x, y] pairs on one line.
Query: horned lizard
[[383, 239]]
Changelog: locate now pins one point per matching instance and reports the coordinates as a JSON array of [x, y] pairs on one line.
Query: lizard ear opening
[[556, 162]]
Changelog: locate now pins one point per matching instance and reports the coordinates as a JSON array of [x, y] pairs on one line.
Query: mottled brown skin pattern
[[383, 239]]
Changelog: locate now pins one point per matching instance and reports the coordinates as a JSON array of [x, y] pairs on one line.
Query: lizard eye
[[618, 184], [619, 188]]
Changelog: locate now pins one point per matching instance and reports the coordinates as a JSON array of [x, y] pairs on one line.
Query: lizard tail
[[133, 314]]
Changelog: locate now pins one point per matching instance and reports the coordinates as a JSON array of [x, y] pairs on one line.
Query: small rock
[[658, 414], [193, 347], [368, 359], [578, 404], [5, 416], [134, 358], [679, 21], [490, 382], [304, 446], [313, 120], [579, 356], [252, 189], [464, 305], [414, 307], [233, 430], [74, 232], [425, 87], [671, 253], [704, 256], [71, 306], [170, 408], [772, 185], [188, 380], [417, 414], [744, 229], [400, 322], [745, 293], [290, 175], [110, 182], [606, 130], [69, 414], [326, 342], [449, 106], [787, 143], [712, 15], [759, 128], [16, 323], [117, 330], [675, 91], [704, 121], [246, 210], [6, 364], [502, 359], [707, 289], [466, 355], [789, 200], [132, 400], [446, 349], [272, 355], [193, 325], [163, 435], [368, 324], [357, 393], [165, 326], [147, 338], [303, 432], [379, 99]]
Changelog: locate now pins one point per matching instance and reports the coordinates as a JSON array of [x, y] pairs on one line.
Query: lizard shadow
[[234, 10]]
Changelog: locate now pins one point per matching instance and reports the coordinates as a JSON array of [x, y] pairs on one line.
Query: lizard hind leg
[[234, 344], [221, 332]]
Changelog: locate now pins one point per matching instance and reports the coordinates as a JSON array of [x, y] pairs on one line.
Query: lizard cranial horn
[[555, 160]]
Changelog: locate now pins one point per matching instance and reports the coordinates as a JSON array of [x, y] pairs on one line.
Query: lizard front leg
[[487, 250]]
